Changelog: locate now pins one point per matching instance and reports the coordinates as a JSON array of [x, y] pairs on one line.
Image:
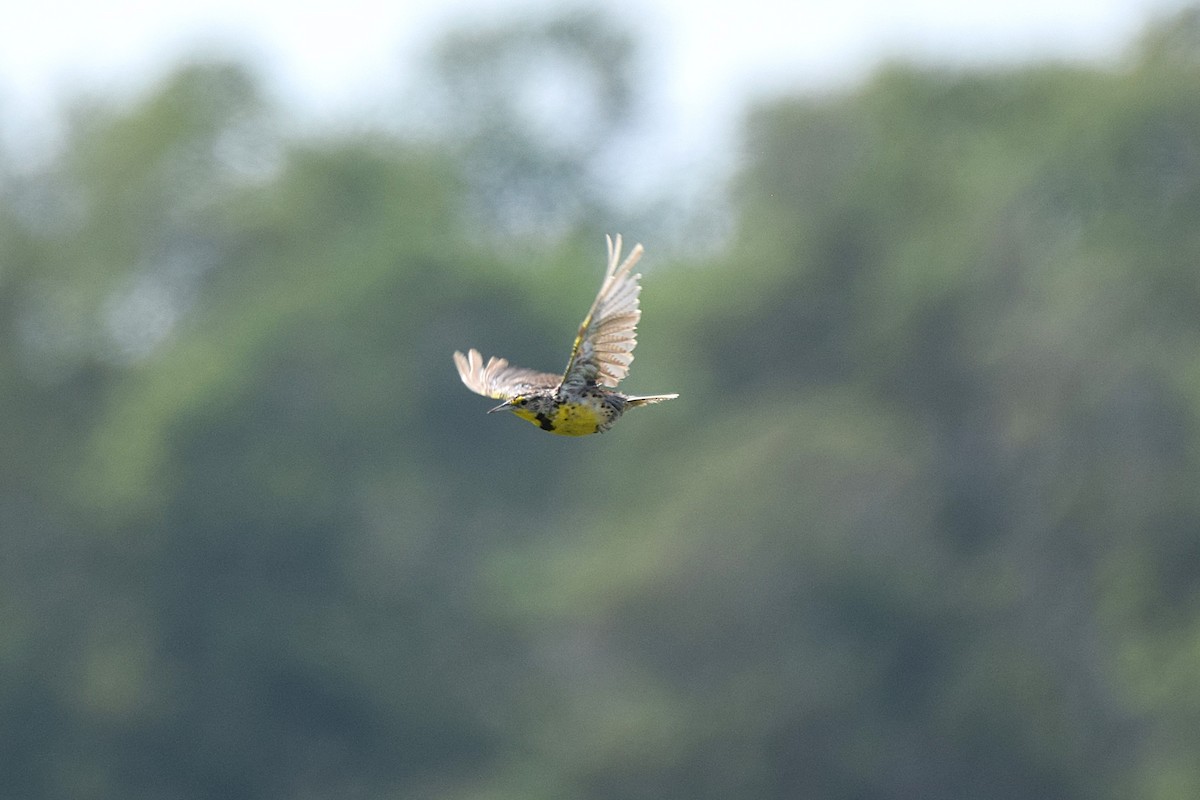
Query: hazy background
[[923, 523]]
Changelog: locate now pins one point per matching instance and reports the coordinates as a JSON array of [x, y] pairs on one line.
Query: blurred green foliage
[[923, 524]]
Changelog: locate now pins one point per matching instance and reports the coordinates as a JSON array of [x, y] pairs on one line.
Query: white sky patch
[[336, 64], [140, 318], [326, 50]]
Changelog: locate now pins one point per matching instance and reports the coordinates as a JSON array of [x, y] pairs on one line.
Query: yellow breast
[[578, 419], [571, 419]]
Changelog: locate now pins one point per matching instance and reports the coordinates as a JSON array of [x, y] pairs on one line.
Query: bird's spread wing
[[603, 349], [497, 379]]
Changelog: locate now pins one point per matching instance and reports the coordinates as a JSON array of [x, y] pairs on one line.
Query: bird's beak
[[507, 404]]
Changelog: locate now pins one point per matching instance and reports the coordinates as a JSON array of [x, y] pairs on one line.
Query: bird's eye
[[520, 401]]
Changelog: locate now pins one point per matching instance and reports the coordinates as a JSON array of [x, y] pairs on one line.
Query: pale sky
[[332, 60]]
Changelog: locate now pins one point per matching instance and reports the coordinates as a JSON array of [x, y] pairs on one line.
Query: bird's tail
[[648, 400]]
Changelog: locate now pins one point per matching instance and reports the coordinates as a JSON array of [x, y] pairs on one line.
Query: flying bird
[[584, 399]]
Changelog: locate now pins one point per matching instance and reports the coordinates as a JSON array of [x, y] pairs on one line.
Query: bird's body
[[575, 414], [583, 399]]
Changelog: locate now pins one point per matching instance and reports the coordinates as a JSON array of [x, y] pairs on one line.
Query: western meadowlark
[[583, 399]]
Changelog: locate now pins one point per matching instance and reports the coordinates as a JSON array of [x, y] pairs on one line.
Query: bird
[[584, 399]]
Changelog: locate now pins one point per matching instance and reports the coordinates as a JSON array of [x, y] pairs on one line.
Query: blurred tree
[[204, 495], [536, 109]]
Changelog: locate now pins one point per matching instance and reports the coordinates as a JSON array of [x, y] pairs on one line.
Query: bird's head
[[527, 406]]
